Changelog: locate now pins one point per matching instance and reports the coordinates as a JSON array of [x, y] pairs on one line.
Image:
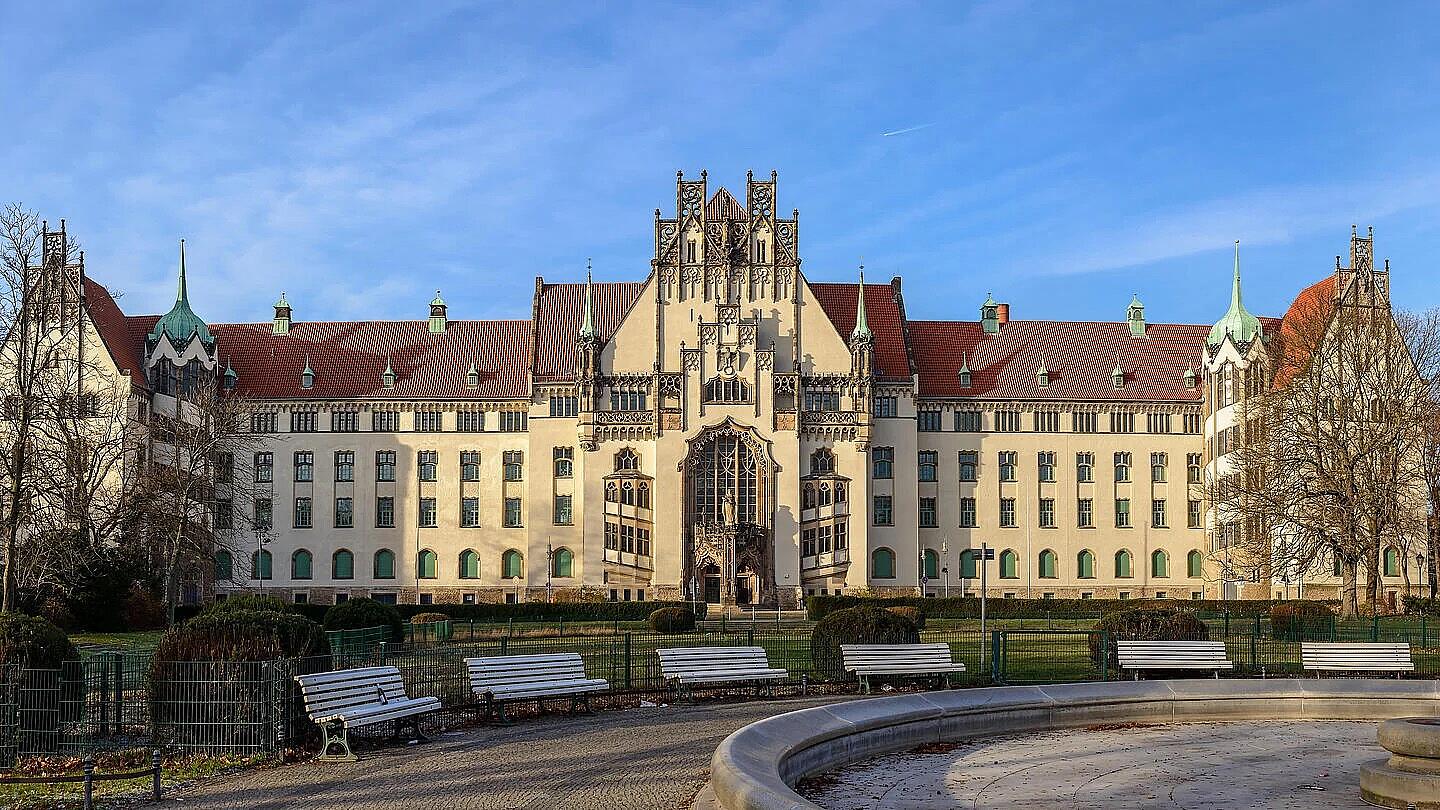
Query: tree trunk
[[1349, 589]]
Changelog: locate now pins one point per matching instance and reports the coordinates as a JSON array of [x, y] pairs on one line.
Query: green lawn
[[91, 643]]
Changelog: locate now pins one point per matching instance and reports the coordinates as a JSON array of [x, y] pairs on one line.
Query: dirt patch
[[1119, 726], [936, 748]]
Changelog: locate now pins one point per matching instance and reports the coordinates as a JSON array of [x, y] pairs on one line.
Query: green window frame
[[384, 564], [469, 564], [512, 565], [261, 565], [1085, 564], [932, 563], [1159, 563], [1392, 562], [224, 565], [427, 564], [1009, 565], [882, 564], [1195, 564], [1049, 565], [562, 563], [967, 565], [342, 564], [302, 564], [1124, 564]]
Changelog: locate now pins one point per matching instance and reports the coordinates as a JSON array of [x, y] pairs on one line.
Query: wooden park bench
[[689, 666], [1140, 655], [502, 678], [913, 660], [1356, 657], [352, 698]]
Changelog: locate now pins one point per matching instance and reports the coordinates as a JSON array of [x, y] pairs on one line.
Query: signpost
[[986, 554], [945, 564]]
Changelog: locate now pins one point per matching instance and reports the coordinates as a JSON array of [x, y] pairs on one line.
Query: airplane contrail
[[907, 129]]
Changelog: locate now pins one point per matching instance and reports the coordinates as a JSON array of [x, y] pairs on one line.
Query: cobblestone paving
[[1266, 766], [645, 759]]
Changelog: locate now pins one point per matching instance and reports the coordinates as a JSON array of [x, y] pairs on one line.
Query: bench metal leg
[[336, 734], [412, 724], [496, 709], [576, 700]]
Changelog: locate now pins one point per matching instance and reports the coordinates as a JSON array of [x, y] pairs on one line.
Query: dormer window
[[1117, 378], [472, 377], [307, 377], [964, 379], [387, 378]]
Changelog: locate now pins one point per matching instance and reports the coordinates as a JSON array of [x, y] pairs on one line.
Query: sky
[[1063, 156]]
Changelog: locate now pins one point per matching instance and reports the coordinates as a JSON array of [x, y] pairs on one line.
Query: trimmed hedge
[[242, 635], [247, 602], [968, 607], [361, 613], [553, 611], [1421, 605], [912, 613], [1146, 624], [1302, 621], [857, 625], [429, 618], [30, 642], [672, 620], [315, 613]]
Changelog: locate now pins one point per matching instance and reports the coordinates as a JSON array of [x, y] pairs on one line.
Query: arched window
[[1159, 563], [612, 492], [882, 564], [342, 565], [967, 564], [1124, 564], [1392, 562], [260, 565], [427, 564], [1009, 565], [562, 563], [627, 459], [822, 462], [301, 563], [512, 565], [384, 564], [1195, 564], [1049, 565], [469, 564], [932, 564], [224, 565], [1085, 564]]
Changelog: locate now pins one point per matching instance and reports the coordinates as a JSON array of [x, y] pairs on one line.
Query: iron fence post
[[1104, 656], [1375, 627], [627, 662], [750, 636], [1254, 652]]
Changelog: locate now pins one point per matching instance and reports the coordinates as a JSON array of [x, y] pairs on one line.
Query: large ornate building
[[722, 428]]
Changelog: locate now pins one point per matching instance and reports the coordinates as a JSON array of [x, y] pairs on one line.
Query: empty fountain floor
[[1270, 765]]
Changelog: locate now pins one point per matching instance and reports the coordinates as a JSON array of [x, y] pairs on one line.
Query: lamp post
[[945, 564], [549, 567]]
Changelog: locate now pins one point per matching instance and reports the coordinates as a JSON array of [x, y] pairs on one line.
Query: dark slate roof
[[885, 314], [559, 309], [349, 359], [1080, 357]]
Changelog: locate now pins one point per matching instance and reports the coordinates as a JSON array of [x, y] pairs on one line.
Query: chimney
[[1002, 313]]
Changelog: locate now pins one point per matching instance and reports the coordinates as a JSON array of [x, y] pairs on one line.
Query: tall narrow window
[[1158, 464], [1084, 467], [514, 462], [969, 464], [384, 564], [513, 515], [1158, 516], [1046, 462], [883, 514], [344, 465], [342, 564], [1122, 513], [264, 468], [384, 512], [304, 465], [564, 458], [1085, 513], [427, 513], [883, 461], [512, 565], [563, 515], [302, 513], [469, 512], [929, 461], [1047, 513], [426, 464], [967, 513], [1007, 465], [344, 513], [301, 563], [1007, 513], [927, 513], [470, 466], [427, 565], [1122, 467], [385, 465], [882, 564]]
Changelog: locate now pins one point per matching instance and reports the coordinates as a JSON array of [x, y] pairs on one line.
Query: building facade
[[724, 428]]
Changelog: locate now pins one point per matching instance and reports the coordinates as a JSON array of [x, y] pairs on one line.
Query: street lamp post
[[945, 564], [549, 567]]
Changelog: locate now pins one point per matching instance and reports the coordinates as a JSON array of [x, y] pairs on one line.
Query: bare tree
[[40, 289], [1331, 461], [194, 449]]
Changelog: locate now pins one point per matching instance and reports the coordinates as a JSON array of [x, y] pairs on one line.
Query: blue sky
[[360, 155]]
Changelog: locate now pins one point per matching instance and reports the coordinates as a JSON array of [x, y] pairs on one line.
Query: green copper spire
[[1241, 326], [181, 323], [862, 325], [587, 322]]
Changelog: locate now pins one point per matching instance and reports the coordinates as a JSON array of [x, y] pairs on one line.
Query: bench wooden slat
[[1138, 655], [528, 677], [1356, 656], [716, 664]]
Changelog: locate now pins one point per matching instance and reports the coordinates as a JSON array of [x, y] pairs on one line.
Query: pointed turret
[[281, 324], [1117, 374], [438, 318], [387, 377], [1190, 377], [181, 323], [1135, 316], [1241, 326], [472, 377], [964, 372], [861, 332], [1042, 374], [230, 376], [587, 320]]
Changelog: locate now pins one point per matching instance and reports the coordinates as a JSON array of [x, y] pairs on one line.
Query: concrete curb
[[756, 767]]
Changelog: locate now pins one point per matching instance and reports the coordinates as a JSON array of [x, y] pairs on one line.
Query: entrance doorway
[[744, 591]]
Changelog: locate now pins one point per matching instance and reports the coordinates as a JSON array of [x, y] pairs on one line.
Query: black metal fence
[[125, 701]]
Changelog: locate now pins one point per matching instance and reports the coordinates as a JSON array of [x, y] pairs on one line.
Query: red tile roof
[[559, 309], [114, 328], [1080, 357], [349, 358], [885, 314], [1310, 310]]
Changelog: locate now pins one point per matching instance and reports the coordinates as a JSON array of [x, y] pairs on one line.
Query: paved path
[[1277, 765], [645, 758]]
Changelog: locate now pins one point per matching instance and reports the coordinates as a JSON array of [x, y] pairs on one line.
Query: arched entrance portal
[[728, 505]]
